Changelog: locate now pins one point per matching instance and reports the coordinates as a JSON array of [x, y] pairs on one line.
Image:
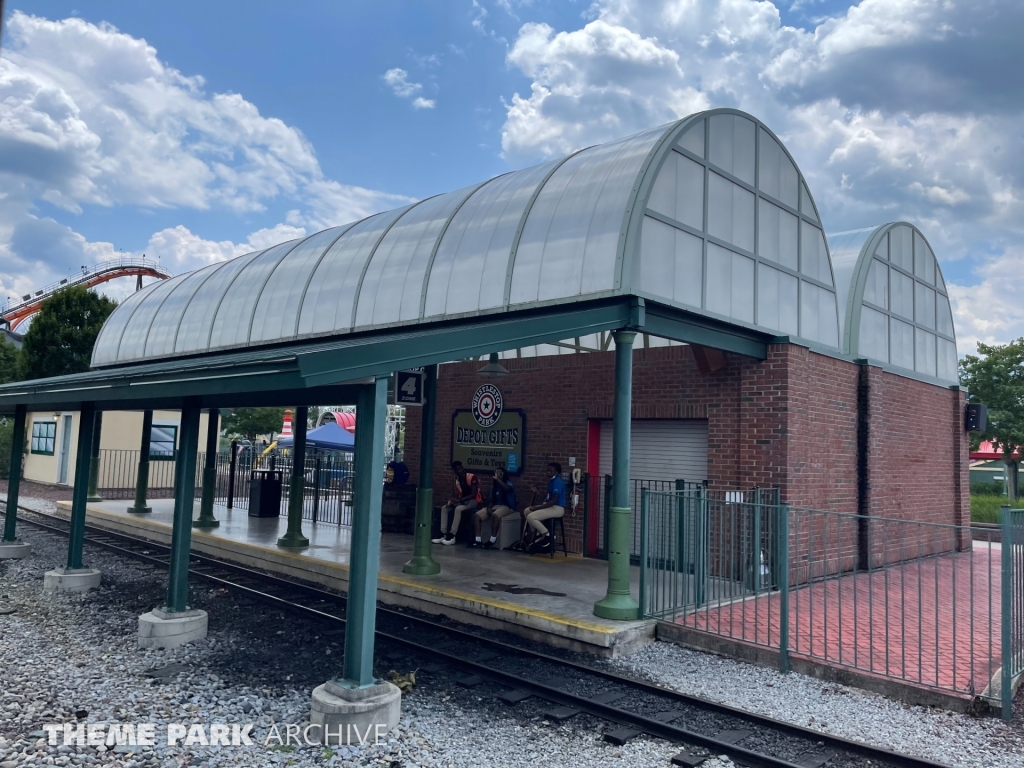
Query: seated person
[[552, 506], [502, 502], [466, 499]]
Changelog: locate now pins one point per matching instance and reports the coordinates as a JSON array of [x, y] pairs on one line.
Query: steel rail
[[664, 730]]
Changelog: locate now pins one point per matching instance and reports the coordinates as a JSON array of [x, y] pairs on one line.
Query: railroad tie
[[688, 759], [813, 759], [620, 736], [608, 697], [514, 696], [560, 714]]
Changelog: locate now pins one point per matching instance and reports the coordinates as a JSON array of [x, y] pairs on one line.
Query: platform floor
[[543, 598], [933, 622]]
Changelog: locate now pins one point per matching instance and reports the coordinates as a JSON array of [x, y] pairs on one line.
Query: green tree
[[8, 361], [995, 377], [62, 335], [252, 422], [6, 440]]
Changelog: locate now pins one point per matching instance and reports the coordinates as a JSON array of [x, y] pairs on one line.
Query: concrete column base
[[13, 550], [71, 580], [354, 716], [164, 629]]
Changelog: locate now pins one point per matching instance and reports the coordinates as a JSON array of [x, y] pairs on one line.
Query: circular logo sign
[[487, 405]]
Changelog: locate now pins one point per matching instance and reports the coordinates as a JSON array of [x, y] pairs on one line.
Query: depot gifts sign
[[487, 435]]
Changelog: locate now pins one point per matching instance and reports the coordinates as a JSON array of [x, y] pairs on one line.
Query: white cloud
[[895, 109], [398, 80], [91, 116]]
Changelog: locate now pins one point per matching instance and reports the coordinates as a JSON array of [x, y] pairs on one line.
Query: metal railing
[[83, 276], [597, 495], [327, 492], [924, 603]]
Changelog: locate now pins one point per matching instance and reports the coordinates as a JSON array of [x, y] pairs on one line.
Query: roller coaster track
[[18, 310]]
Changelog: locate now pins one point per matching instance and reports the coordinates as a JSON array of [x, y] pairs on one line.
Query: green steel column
[[94, 467], [361, 616], [206, 518], [619, 604], [142, 474], [782, 558], [1006, 613], [184, 499], [14, 476], [297, 492], [422, 564], [88, 416]]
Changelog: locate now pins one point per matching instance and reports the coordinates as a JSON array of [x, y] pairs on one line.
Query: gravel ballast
[[68, 654], [62, 655]]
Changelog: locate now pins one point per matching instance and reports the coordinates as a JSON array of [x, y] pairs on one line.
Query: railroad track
[[701, 727]]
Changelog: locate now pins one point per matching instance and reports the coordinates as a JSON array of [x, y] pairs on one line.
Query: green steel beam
[[300, 373], [297, 492], [618, 604], [422, 564], [184, 498], [679, 325], [94, 466], [14, 474], [206, 518], [361, 614], [507, 331], [142, 473], [80, 494]]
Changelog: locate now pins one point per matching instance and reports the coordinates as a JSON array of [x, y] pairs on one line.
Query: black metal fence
[[327, 493]]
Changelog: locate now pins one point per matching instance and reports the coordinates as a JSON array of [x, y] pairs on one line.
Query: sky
[[194, 132]]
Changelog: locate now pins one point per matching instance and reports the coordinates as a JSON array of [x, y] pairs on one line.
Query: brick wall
[[789, 421]]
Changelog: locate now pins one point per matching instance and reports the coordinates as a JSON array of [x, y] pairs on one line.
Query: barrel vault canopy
[[709, 214], [895, 306]]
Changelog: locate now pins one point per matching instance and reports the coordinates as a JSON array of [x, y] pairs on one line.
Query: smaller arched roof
[[894, 303]]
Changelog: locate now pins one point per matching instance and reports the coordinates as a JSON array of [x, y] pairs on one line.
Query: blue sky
[[199, 131]]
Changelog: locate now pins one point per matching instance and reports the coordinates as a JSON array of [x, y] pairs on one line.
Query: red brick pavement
[[932, 622]]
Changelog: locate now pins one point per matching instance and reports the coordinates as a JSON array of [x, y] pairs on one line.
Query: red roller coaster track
[[18, 310]]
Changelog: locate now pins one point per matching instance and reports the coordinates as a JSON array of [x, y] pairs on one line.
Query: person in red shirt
[[466, 499]]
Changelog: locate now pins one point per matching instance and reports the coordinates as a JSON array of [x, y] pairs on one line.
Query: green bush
[[985, 508], [988, 488]]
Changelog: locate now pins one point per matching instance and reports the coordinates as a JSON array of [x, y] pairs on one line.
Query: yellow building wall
[[121, 431]]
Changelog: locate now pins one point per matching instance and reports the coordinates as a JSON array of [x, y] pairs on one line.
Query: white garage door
[[662, 449]]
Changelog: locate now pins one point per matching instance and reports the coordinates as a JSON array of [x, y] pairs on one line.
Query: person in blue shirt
[[502, 501], [552, 506]]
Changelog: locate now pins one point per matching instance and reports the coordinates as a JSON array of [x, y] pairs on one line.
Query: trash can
[[265, 493]]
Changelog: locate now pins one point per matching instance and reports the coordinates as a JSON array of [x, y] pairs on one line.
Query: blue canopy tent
[[329, 437]]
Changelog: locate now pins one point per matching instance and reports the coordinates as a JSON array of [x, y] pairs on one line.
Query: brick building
[[826, 431]]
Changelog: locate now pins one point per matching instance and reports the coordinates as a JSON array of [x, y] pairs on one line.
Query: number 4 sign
[[409, 387]]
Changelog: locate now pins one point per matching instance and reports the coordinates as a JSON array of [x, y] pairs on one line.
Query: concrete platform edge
[[577, 635]]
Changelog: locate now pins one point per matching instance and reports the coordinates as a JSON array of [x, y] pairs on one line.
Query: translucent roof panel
[[277, 311], [165, 324], [136, 333], [470, 266], [570, 240], [109, 338], [897, 308], [393, 282], [712, 240], [710, 214], [197, 322], [234, 315], [330, 296]]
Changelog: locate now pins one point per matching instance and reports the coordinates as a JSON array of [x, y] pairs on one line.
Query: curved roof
[[709, 214], [896, 307]]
